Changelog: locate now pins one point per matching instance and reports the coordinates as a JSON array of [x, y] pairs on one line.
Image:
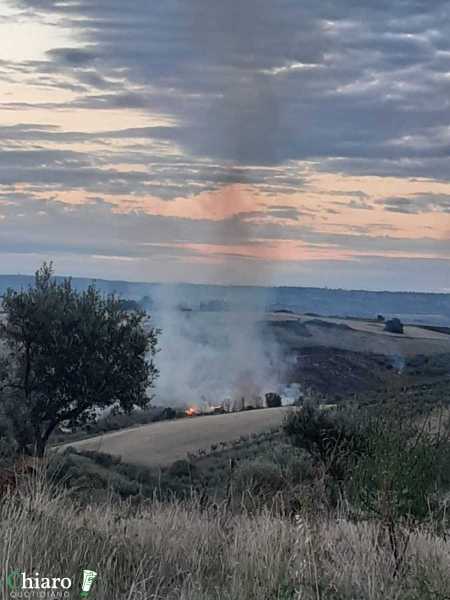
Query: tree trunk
[[39, 448], [42, 440]]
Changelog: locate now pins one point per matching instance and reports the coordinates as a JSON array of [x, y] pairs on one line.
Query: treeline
[[434, 308]]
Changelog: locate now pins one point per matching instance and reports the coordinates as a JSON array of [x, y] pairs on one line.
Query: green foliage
[[333, 438], [69, 354], [403, 471], [386, 465]]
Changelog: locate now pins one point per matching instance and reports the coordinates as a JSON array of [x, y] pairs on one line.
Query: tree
[[68, 354], [394, 326], [273, 400], [333, 438]]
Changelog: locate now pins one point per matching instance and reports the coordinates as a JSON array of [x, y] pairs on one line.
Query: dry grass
[[178, 551], [165, 442]]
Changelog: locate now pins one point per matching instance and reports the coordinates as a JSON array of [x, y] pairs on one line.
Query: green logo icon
[[88, 580], [11, 580]]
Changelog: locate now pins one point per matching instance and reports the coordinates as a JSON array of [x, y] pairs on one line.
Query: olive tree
[[66, 354]]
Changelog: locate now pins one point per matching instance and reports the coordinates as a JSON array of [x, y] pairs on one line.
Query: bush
[[273, 400], [181, 468], [332, 438], [101, 458], [259, 477], [168, 414], [403, 472]]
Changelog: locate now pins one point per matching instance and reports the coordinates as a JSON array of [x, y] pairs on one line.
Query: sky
[[270, 142]]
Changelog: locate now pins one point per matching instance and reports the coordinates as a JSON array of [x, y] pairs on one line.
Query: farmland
[[356, 335], [163, 443], [332, 358]]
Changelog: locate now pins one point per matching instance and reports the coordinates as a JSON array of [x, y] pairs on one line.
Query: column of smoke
[[207, 359]]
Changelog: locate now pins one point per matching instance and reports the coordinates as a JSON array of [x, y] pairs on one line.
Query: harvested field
[[164, 442], [356, 335]]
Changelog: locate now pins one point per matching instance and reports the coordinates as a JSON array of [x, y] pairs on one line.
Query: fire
[[191, 412]]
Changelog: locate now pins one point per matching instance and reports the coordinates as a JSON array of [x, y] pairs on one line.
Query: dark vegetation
[[65, 355], [273, 400], [115, 421], [335, 373], [394, 326]]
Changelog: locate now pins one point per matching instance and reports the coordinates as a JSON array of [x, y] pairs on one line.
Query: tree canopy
[[66, 354]]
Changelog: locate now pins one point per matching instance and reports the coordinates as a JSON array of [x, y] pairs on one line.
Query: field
[[356, 335], [165, 442]]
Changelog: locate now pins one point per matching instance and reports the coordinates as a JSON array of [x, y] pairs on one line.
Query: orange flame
[[191, 412]]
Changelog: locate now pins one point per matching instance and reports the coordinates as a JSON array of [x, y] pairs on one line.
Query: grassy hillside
[[359, 514], [176, 550]]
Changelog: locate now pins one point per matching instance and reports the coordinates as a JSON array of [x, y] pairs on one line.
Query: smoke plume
[[210, 355]]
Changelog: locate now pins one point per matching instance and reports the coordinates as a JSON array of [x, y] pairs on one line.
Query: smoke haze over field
[[207, 357]]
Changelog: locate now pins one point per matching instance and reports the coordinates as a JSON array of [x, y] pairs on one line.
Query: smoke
[[398, 363], [240, 116], [210, 356]]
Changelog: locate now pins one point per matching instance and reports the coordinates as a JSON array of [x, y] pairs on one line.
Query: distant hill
[[412, 307], [123, 288]]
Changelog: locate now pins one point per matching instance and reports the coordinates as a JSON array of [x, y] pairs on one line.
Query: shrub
[[331, 438], [273, 400], [181, 468], [168, 414], [259, 477], [394, 326], [101, 458], [400, 474]]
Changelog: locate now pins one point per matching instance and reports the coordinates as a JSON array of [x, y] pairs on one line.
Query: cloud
[[73, 57], [96, 227], [229, 74], [266, 95], [418, 203]]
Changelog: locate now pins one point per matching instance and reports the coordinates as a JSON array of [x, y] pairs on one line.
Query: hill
[[413, 307]]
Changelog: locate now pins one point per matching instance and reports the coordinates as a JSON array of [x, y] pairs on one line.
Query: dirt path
[[162, 443]]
